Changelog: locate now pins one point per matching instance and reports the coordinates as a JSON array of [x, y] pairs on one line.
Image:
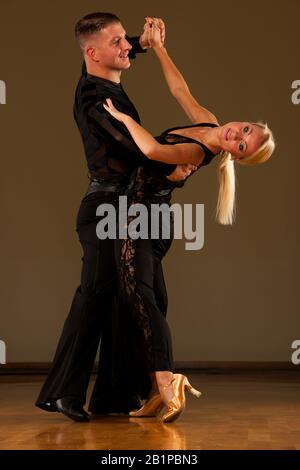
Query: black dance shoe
[[70, 407]]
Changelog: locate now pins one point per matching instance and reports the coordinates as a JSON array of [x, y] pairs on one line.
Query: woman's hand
[[155, 33], [181, 172], [113, 111], [144, 38]]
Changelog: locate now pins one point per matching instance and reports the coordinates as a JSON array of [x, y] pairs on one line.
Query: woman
[[197, 144]]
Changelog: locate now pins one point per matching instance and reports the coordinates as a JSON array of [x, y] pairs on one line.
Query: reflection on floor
[[235, 411]]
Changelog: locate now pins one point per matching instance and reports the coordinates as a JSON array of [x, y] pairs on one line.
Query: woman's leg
[[138, 264], [143, 287]]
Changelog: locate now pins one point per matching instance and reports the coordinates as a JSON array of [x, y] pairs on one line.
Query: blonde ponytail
[[226, 199]]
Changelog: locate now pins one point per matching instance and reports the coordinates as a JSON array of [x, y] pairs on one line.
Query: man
[[111, 158]]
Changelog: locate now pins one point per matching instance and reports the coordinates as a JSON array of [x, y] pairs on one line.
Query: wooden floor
[[236, 411]]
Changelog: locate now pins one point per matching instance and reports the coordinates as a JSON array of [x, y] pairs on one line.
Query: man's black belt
[[100, 184]]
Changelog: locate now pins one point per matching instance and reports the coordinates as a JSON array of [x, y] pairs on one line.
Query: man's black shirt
[[110, 150]]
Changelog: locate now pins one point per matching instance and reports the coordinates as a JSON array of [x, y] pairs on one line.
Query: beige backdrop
[[235, 300]]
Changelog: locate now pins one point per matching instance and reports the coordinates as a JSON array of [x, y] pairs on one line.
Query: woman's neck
[[210, 136]]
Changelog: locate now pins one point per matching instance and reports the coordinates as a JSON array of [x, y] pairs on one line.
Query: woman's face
[[241, 139]]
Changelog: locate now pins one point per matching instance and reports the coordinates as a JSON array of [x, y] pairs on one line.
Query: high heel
[[177, 404], [150, 408]]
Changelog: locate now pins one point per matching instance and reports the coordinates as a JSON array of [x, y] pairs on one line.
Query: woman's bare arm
[[179, 153], [180, 90]]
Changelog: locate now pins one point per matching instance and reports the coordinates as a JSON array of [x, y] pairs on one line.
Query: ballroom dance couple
[[121, 303]]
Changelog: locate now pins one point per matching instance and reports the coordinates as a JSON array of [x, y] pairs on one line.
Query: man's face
[[110, 48]]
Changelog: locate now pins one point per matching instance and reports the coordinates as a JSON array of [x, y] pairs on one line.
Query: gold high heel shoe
[[176, 406], [150, 408]]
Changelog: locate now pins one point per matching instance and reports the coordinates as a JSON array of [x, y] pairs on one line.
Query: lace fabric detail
[[175, 139], [130, 291], [143, 184], [128, 282], [146, 186]]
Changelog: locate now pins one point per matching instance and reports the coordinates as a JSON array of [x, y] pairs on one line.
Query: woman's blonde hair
[[225, 212]]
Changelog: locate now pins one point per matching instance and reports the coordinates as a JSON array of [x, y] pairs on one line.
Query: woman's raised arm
[[180, 90], [175, 80]]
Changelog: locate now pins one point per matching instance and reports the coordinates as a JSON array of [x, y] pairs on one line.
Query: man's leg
[[74, 358]]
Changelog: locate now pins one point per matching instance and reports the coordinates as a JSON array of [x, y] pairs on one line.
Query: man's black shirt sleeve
[[113, 130], [136, 47]]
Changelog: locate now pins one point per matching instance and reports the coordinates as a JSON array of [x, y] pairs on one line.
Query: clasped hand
[[154, 33]]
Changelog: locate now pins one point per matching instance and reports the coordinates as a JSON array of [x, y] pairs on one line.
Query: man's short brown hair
[[93, 23]]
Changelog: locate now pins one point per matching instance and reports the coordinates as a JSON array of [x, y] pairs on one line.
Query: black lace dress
[[142, 325], [139, 258]]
